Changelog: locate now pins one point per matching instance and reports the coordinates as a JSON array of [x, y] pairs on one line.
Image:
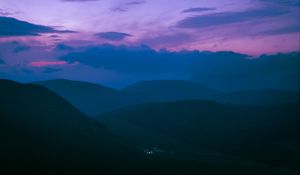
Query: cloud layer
[[226, 70], [113, 36], [218, 19], [15, 27], [198, 9]]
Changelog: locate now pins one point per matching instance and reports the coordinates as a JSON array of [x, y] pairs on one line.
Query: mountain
[[89, 98], [257, 97], [43, 133], [169, 90], [249, 137], [94, 99], [173, 90]]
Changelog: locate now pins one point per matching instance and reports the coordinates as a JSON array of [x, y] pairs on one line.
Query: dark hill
[[258, 97], [43, 133], [95, 99], [173, 90], [169, 90], [263, 134], [89, 98]]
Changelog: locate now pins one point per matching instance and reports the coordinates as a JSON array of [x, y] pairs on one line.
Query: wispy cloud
[[51, 70], [47, 63], [2, 61], [135, 2], [8, 12], [21, 48], [198, 9], [15, 27], [124, 7], [284, 30], [217, 19], [283, 2], [113, 36]]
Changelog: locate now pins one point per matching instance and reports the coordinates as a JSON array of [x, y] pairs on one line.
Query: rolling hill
[[266, 135], [94, 99], [89, 98], [43, 133], [169, 90]]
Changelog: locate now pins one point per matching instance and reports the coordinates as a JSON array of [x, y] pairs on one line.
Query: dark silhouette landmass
[[266, 135], [94, 99], [90, 98], [143, 129], [41, 133]]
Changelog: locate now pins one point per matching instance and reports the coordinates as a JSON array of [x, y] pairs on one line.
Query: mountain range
[[200, 130], [150, 127], [94, 99], [43, 133]]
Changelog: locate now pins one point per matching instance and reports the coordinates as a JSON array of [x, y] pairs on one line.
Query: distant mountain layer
[[172, 90], [90, 98], [43, 133], [93, 99], [168, 90], [263, 134]]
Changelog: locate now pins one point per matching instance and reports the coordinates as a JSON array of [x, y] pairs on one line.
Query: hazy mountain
[[90, 98], [257, 97], [168, 90], [172, 90], [94, 99], [261, 134], [43, 133]]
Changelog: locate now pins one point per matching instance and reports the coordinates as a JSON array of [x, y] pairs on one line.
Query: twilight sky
[[63, 38], [246, 26]]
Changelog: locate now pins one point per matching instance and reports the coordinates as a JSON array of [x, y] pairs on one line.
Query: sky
[[246, 26], [58, 38]]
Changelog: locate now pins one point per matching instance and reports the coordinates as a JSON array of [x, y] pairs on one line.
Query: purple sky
[[37, 38], [247, 26]]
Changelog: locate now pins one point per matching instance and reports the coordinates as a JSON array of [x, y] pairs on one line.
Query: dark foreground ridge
[[256, 139], [43, 133]]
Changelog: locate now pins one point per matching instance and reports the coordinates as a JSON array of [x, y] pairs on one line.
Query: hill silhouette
[[95, 99], [264, 134], [169, 90], [173, 90], [43, 133], [90, 98]]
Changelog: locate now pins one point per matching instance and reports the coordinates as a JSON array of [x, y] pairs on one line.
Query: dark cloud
[[54, 36], [285, 30], [15, 27], [135, 2], [198, 9], [114, 36], [120, 58], [126, 6], [2, 61], [21, 48], [218, 19], [283, 2], [5, 12], [63, 47], [167, 40], [27, 71], [119, 9], [51, 70], [224, 70]]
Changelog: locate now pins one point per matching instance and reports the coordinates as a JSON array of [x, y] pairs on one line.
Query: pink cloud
[[47, 63]]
